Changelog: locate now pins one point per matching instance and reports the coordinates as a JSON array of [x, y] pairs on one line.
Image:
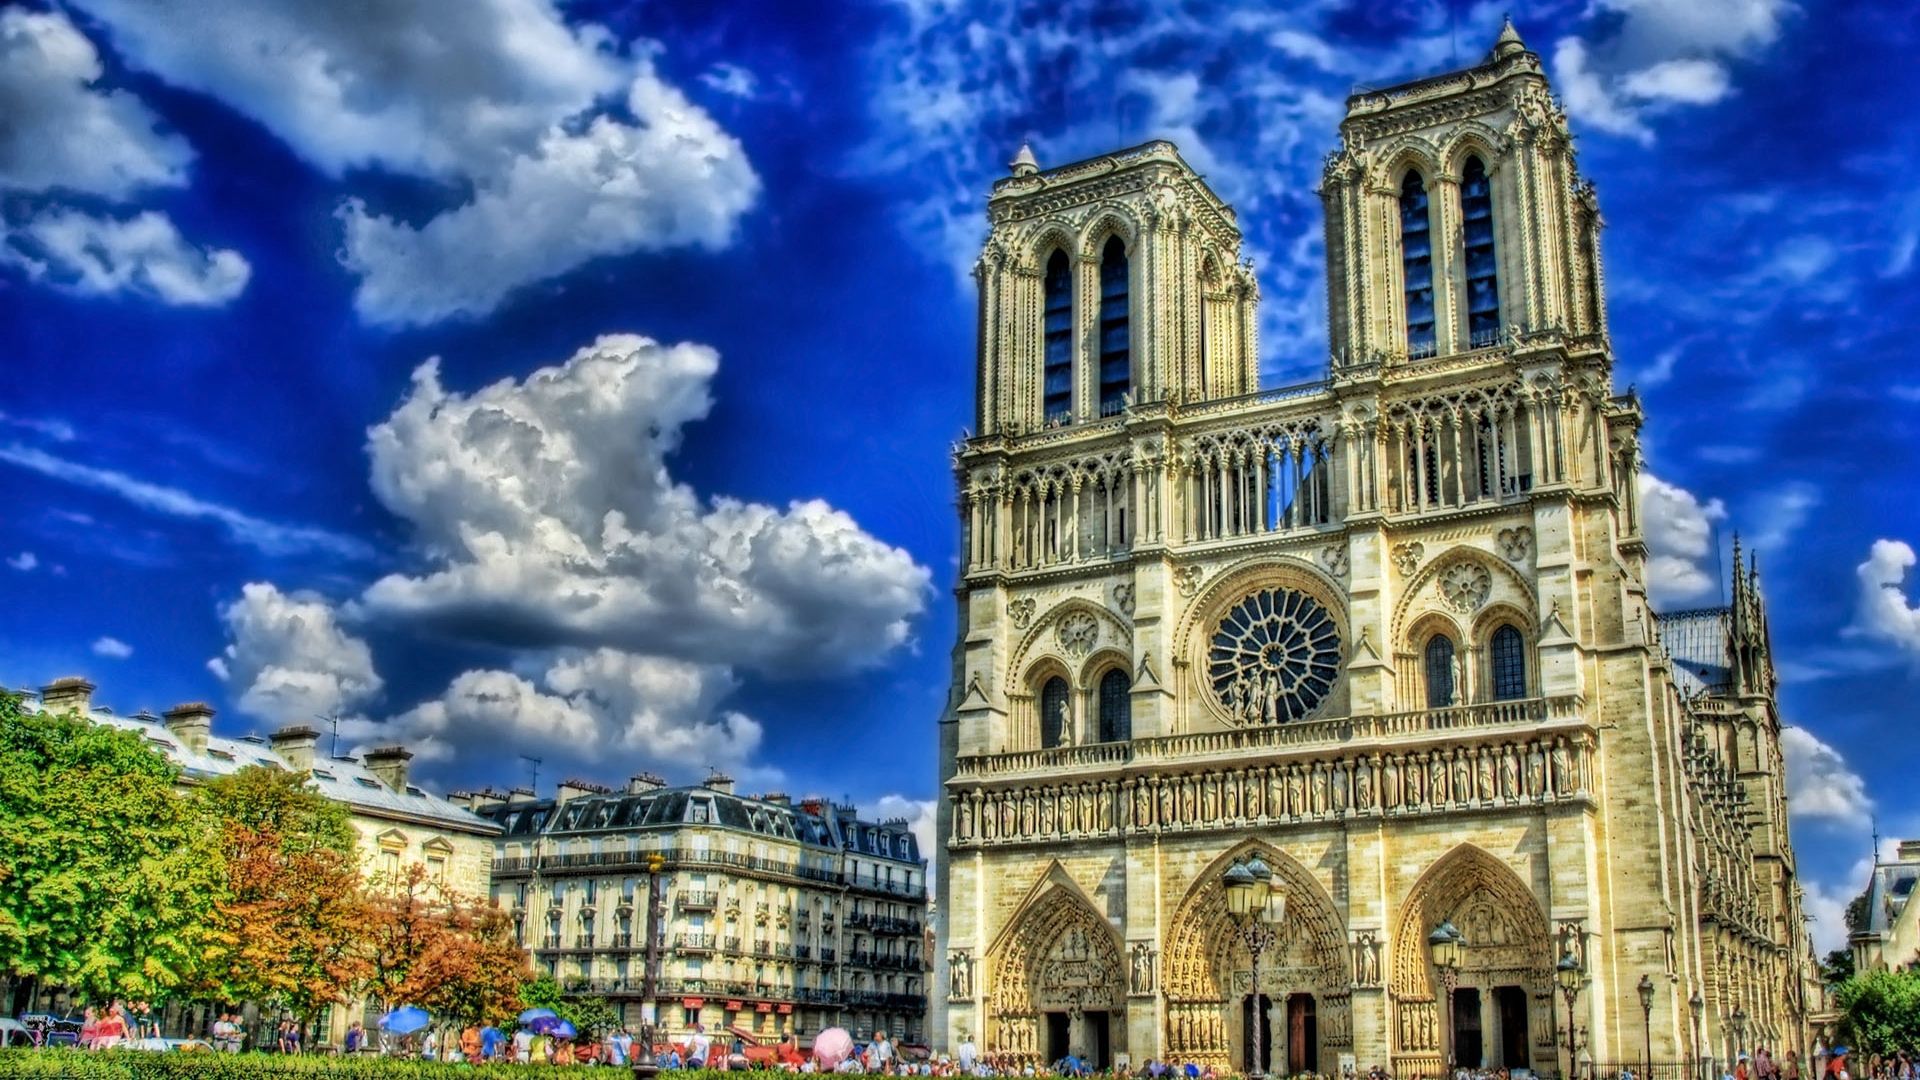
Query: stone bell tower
[[1441, 154], [1131, 266]]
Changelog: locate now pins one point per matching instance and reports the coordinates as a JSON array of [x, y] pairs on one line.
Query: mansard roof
[[1698, 640]]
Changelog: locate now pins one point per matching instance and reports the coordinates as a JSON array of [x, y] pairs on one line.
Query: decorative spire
[[1024, 163], [1508, 43]]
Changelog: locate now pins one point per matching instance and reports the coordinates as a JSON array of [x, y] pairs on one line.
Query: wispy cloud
[[112, 648], [24, 561], [267, 537]]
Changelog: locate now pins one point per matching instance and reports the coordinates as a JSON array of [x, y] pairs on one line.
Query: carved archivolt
[[1205, 953], [1057, 953], [1506, 942], [1070, 631], [1468, 578]]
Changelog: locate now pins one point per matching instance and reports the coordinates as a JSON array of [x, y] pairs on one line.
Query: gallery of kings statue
[[1387, 633]]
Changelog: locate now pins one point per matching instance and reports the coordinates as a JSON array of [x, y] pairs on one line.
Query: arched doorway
[[1302, 999], [1058, 980], [1500, 1012]]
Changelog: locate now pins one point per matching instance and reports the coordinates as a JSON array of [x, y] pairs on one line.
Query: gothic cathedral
[[1386, 633]]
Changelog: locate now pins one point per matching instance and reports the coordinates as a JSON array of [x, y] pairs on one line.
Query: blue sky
[[578, 380]]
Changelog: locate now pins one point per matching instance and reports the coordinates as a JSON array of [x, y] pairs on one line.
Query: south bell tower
[[1388, 631]]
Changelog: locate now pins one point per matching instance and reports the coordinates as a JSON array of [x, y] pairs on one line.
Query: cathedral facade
[[1388, 632]]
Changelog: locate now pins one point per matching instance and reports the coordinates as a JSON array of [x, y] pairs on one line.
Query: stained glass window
[[1509, 655], [1053, 708], [1274, 657], [1439, 672], [1116, 707]]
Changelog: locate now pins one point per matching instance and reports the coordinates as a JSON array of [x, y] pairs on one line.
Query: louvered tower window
[[1058, 376], [1483, 276], [1509, 664], [1439, 671], [1116, 356], [1116, 707], [1416, 263]]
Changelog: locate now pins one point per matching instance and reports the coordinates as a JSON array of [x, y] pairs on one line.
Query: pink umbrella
[[831, 1047]]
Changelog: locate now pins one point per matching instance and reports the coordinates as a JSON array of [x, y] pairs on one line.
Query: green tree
[[591, 1014], [1837, 967], [108, 875], [1880, 1011], [1856, 916], [290, 928]]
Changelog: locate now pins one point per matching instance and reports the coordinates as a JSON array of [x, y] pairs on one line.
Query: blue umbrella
[[563, 1030], [405, 1020], [531, 1015], [544, 1025]]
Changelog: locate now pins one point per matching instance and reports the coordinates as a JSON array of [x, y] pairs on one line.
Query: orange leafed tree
[[450, 955]]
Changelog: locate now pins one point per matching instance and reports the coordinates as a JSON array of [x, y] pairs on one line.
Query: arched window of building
[[1416, 265], [1439, 671], [1058, 376], [1053, 708], [1509, 655], [1116, 353], [1483, 277], [1116, 707]]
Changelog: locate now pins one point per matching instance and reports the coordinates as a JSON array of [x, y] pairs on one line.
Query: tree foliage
[[1856, 916], [1837, 967], [108, 878], [590, 1014], [291, 927], [451, 955], [1880, 1011]]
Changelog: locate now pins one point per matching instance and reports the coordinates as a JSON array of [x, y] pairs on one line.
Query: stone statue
[[1459, 694], [960, 975], [1067, 734]]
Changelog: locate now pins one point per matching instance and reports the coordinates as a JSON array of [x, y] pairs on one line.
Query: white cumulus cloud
[[64, 134], [501, 101], [1884, 612], [550, 519], [1652, 56], [112, 648], [1680, 540], [1820, 784], [143, 255], [24, 561], [585, 704], [289, 659]]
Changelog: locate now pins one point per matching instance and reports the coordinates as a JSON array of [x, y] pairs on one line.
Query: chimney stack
[[389, 763], [641, 783], [574, 789], [1908, 851], [72, 694], [719, 782], [191, 723], [295, 743]]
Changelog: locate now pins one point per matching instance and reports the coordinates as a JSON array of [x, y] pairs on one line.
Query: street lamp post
[[1444, 944], [1569, 974], [1646, 1019], [1257, 907]]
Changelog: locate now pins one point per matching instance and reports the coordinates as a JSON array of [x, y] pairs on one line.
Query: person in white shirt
[[882, 1051], [698, 1047], [967, 1053], [523, 1046]]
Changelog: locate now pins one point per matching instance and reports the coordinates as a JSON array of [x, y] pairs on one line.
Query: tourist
[[563, 1053], [618, 1045], [109, 1031], [522, 1046], [698, 1047], [968, 1054], [882, 1052], [470, 1044], [356, 1039], [1790, 1067]]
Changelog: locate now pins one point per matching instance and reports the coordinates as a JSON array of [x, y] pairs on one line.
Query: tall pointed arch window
[[1439, 667], [1508, 653], [1116, 707], [1483, 274], [1116, 352], [1416, 265], [1053, 711], [1057, 391]]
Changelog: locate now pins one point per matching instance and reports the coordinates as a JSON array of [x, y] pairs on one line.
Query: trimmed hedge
[[137, 1065]]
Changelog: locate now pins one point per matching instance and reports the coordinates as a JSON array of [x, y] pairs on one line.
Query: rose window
[[1274, 657]]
